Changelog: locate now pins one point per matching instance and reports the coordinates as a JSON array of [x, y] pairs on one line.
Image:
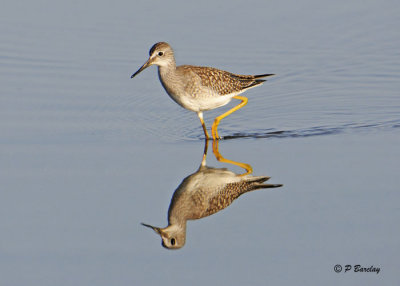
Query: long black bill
[[146, 64], [156, 229]]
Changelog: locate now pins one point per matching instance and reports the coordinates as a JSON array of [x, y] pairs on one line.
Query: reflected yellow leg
[[214, 127], [200, 115], [219, 157], [203, 161]]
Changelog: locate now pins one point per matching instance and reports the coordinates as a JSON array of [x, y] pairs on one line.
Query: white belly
[[200, 100], [202, 103]]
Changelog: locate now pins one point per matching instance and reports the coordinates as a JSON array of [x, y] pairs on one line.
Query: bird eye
[[173, 241], [160, 54]]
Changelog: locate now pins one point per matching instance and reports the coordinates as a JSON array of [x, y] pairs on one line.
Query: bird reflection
[[204, 193]]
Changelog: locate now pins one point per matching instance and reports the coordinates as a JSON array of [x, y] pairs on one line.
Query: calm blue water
[[86, 153]]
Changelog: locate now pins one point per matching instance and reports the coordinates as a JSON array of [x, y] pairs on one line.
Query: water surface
[[87, 153]]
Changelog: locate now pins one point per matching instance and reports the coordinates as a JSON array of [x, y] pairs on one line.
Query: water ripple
[[317, 130]]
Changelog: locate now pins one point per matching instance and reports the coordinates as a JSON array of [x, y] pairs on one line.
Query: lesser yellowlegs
[[199, 88], [204, 193]]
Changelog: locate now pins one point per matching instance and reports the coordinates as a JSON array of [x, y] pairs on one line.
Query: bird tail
[[257, 183], [263, 75], [259, 80]]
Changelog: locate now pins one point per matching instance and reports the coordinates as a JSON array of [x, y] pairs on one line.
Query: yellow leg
[[214, 127], [203, 161], [219, 157], [200, 115]]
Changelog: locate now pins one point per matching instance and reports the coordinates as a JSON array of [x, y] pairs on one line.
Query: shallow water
[[87, 153]]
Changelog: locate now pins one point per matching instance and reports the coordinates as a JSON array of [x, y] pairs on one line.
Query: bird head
[[173, 236], [161, 54]]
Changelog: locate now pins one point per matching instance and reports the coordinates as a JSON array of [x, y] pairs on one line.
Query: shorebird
[[199, 88], [201, 194]]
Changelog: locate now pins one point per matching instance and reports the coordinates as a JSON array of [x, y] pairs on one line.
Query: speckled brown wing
[[223, 82], [230, 192], [226, 196]]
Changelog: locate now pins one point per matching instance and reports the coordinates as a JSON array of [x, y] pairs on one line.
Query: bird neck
[[167, 70], [178, 215], [177, 223]]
